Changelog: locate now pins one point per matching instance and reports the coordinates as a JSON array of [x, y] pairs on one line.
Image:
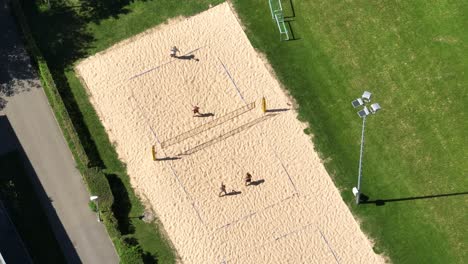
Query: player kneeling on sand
[[196, 111]]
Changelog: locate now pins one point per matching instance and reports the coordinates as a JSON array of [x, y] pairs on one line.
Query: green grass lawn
[[412, 56], [21, 201]]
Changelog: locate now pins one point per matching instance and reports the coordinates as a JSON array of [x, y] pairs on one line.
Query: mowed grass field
[[410, 54], [413, 56]]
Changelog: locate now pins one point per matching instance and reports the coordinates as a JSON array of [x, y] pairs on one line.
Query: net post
[[264, 109], [153, 151]]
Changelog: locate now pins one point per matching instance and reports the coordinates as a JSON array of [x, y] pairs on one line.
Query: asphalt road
[[53, 171]]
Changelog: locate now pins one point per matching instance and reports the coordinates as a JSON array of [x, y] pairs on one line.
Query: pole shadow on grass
[[381, 202], [292, 37], [293, 12]]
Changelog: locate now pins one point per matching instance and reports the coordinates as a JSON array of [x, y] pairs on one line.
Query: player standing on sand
[[248, 179], [174, 51], [196, 111], [223, 190]]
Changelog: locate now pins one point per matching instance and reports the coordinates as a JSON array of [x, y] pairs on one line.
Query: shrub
[[131, 251]]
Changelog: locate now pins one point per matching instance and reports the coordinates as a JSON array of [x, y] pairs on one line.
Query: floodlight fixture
[[358, 102], [366, 96]]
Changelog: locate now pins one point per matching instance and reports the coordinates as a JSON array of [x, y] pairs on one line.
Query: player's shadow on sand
[[257, 182], [233, 192], [187, 57], [205, 115]]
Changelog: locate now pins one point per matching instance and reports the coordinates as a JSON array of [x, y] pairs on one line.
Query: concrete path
[[25, 107]]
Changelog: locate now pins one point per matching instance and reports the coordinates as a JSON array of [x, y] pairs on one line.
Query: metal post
[[97, 209], [95, 198], [280, 6], [360, 162]]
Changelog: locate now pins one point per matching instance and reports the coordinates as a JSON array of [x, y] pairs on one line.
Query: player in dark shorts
[[196, 111], [248, 179], [222, 190]]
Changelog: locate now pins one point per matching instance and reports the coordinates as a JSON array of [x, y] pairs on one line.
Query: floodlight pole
[[358, 195]]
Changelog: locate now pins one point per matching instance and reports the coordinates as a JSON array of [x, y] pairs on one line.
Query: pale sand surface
[[144, 97]]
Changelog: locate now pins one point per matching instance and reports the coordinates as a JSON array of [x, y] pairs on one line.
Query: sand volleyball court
[[291, 213]]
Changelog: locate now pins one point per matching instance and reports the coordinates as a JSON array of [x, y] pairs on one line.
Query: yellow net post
[[153, 151], [264, 109]]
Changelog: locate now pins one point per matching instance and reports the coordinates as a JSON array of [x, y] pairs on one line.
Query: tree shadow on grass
[[149, 258], [61, 33], [78, 120], [122, 204], [62, 38], [102, 9]]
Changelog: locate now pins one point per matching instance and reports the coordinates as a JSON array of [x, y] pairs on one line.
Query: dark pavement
[[12, 248]]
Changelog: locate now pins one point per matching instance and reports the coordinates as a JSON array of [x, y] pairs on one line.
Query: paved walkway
[[53, 171]]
